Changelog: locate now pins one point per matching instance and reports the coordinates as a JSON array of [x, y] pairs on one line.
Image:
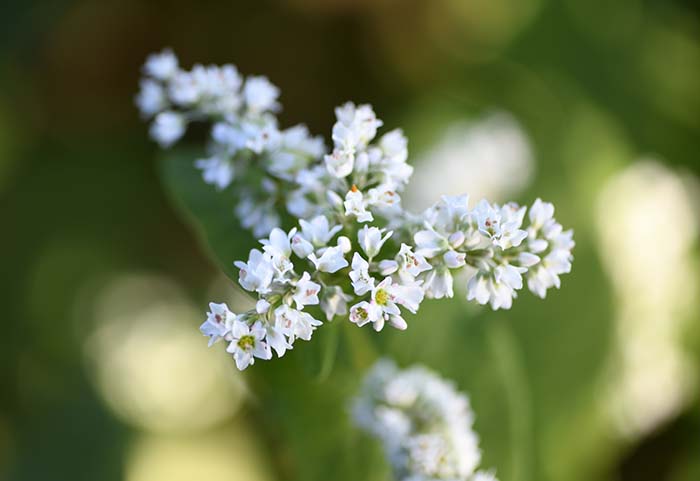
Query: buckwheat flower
[[260, 95], [511, 235], [216, 170], [454, 259], [485, 289], [269, 168], [340, 163], [167, 128], [306, 292], [424, 424], [151, 99], [184, 90], [355, 205], [438, 283], [371, 240], [317, 231], [247, 344], [276, 336], [411, 263], [361, 120], [388, 296], [255, 275], [365, 312], [383, 197], [394, 146], [218, 323], [259, 217], [429, 243], [334, 302], [332, 260], [279, 250], [161, 66], [304, 326], [362, 281]]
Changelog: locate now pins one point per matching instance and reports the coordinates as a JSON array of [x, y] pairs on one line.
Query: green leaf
[[208, 211]]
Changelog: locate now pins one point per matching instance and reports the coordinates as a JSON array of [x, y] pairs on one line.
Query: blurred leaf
[[208, 211]]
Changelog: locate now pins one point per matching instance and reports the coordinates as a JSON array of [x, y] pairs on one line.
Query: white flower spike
[[360, 254]]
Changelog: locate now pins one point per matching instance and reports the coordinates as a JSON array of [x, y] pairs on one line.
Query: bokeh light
[[151, 365], [648, 223]]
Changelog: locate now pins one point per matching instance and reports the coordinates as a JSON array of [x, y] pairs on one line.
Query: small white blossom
[[355, 205], [218, 323], [332, 260], [260, 95], [151, 99], [247, 344], [161, 66], [371, 240], [306, 292], [167, 128], [216, 170], [256, 274], [362, 282]]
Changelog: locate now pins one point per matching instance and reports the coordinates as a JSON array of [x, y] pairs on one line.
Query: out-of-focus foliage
[[595, 86]]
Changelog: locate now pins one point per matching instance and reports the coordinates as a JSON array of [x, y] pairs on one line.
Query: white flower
[[355, 205], [429, 243], [304, 326], [438, 283], [218, 323], [216, 170], [454, 259], [411, 263], [278, 248], [540, 213], [340, 163], [334, 302], [167, 128], [318, 231], [332, 260], [247, 344], [151, 99], [511, 220], [485, 289], [276, 337], [161, 66], [260, 95], [394, 146], [184, 89], [256, 274], [360, 124], [371, 240], [364, 312], [362, 282], [424, 424], [306, 292]]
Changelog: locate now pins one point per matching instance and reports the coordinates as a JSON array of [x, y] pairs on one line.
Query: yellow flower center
[[246, 342], [381, 297]]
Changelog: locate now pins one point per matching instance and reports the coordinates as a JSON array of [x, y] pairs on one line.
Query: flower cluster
[[497, 250], [352, 248], [243, 131], [285, 297], [424, 424]]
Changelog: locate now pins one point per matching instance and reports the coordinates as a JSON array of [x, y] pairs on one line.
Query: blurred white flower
[[489, 158], [424, 424], [647, 221], [167, 128]]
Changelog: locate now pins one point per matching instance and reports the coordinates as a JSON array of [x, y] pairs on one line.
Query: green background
[[86, 200]]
